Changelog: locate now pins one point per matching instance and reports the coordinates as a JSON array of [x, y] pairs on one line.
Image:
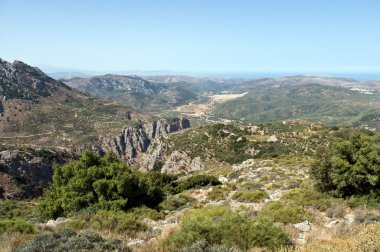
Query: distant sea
[[357, 76]]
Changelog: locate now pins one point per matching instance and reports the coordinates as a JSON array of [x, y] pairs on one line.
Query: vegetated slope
[[221, 146], [37, 110], [271, 195], [134, 91], [307, 80], [328, 104]]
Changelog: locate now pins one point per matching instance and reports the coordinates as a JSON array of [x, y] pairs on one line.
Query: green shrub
[[371, 201], [146, 212], [174, 202], [218, 193], [280, 212], [306, 196], [76, 224], [219, 225], [197, 181], [117, 222], [102, 182], [203, 246], [249, 196], [251, 186], [16, 208], [67, 240], [348, 167], [16, 225]]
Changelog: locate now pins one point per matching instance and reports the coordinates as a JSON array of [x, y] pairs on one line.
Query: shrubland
[[262, 201]]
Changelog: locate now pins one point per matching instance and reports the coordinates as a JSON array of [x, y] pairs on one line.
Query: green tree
[[103, 182], [349, 167]]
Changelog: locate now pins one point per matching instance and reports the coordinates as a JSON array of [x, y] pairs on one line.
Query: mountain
[[197, 84], [44, 122], [134, 91], [37, 110]]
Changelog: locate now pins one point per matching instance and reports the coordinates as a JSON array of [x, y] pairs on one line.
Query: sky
[[204, 36]]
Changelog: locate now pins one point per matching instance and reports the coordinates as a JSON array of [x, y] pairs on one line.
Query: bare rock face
[[177, 161], [133, 141], [25, 174], [180, 162]]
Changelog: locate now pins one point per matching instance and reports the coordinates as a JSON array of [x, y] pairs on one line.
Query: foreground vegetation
[[111, 207]]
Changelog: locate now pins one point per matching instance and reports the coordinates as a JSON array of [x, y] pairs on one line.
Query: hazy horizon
[[363, 76]]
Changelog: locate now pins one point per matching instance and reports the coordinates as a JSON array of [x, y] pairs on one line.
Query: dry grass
[[9, 242], [364, 237]]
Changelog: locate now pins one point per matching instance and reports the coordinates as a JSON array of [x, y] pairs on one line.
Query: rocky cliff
[[132, 142]]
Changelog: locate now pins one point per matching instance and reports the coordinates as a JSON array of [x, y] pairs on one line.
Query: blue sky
[[308, 36]]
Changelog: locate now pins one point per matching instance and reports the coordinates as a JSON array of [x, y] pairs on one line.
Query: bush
[[306, 196], [68, 240], [371, 201], [280, 212], [10, 209], [249, 196], [117, 222], [174, 202], [197, 181], [348, 167], [76, 224], [219, 225], [336, 211], [203, 246], [16, 225], [218, 193], [102, 182], [146, 212]]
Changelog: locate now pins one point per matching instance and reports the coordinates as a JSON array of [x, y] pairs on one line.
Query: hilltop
[[134, 91]]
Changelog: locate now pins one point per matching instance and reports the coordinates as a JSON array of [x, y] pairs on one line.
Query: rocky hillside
[[41, 116], [224, 146], [37, 110], [134, 91], [27, 172], [20, 81]]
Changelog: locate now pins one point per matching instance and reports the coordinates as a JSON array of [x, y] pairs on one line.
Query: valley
[[189, 126], [151, 163]]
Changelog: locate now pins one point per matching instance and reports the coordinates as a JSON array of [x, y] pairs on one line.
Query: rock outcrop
[[133, 141], [179, 162], [25, 174]]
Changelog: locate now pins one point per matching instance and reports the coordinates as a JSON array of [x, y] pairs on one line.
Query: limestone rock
[[272, 139], [177, 161], [304, 226], [223, 179], [132, 141]]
